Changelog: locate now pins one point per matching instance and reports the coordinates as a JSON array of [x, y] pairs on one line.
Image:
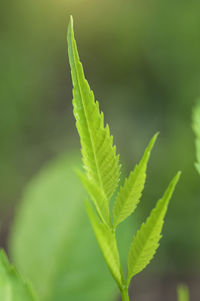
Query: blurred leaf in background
[[183, 293], [12, 285], [52, 242], [196, 129]]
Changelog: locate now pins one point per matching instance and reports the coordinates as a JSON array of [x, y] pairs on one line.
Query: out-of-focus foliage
[[196, 128], [12, 286], [51, 241], [183, 293]]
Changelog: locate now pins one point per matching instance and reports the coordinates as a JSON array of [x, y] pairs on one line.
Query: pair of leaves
[[101, 178], [12, 285]]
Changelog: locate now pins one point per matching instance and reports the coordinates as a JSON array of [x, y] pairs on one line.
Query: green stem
[[124, 294]]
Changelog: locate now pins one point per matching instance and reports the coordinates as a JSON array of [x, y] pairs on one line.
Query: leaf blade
[[130, 193], [107, 243], [99, 155], [98, 198], [146, 241]]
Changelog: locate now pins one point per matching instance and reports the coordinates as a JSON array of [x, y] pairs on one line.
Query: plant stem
[[124, 294]]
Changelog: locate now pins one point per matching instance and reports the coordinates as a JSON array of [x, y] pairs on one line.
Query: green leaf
[[130, 193], [52, 242], [146, 241], [182, 293], [98, 198], [99, 155], [12, 285], [107, 242], [196, 128]]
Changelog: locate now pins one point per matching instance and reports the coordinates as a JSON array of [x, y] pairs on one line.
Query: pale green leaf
[[182, 293], [99, 155], [52, 242], [146, 241], [130, 193], [98, 198], [12, 285], [107, 242], [196, 128]]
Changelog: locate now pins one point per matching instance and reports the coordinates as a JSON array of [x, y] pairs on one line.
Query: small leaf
[[107, 243], [146, 241], [182, 293], [130, 193], [98, 198], [196, 128], [12, 286], [99, 155]]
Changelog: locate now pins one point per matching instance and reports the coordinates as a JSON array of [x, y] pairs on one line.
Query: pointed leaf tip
[[71, 22], [153, 140], [156, 135], [176, 178], [98, 153], [130, 193], [178, 174], [70, 25]]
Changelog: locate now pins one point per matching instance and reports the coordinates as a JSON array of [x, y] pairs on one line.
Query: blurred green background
[[142, 61]]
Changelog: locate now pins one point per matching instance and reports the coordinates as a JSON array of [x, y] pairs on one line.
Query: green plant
[[50, 239], [101, 178]]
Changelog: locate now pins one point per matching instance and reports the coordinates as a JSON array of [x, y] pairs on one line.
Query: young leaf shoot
[[101, 178]]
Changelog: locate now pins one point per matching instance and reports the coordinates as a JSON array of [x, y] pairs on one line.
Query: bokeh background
[[142, 61]]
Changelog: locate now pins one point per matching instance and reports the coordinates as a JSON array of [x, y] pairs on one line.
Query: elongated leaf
[[182, 293], [12, 285], [196, 128], [99, 155], [146, 241], [107, 242], [130, 193], [52, 242], [98, 198]]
